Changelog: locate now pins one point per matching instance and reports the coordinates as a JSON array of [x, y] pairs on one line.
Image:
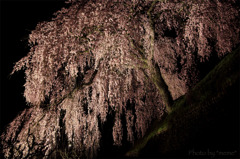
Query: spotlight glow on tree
[[125, 59]]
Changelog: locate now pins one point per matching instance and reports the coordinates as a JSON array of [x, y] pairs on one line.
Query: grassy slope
[[191, 108]]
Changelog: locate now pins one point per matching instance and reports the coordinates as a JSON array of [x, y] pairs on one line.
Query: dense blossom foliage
[[104, 57]]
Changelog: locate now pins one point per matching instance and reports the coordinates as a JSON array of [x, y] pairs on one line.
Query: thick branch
[[155, 75], [149, 63], [162, 88]]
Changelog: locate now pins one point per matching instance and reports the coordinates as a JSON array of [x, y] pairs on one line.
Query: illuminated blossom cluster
[[95, 59]]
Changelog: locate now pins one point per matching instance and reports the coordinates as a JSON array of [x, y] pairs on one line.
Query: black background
[[18, 18]]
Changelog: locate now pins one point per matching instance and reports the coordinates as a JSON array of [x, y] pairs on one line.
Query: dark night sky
[[18, 18]]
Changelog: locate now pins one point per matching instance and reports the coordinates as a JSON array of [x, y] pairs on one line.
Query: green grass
[[197, 100], [162, 127]]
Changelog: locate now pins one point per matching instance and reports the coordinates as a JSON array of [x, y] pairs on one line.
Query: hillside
[[205, 119]]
